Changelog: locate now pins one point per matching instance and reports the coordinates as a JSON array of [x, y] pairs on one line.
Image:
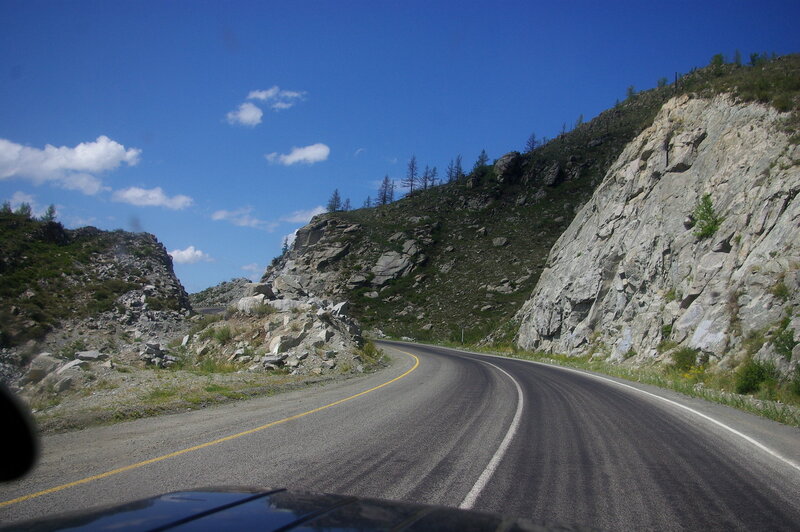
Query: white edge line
[[710, 419], [483, 480]]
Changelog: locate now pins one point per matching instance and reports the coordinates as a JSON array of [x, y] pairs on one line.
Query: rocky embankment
[[634, 276], [260, 345]]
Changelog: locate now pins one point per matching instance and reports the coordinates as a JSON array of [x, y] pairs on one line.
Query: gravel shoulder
[[122, 393]]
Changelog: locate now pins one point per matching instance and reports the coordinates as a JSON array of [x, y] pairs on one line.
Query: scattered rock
[[91, 356]]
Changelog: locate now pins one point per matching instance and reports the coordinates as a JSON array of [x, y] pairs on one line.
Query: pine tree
[[50, 214], [459, 171], [532, 143], [385, 192], [412, 175], [346, 205], [425, 181], [335, 201], [482, 161], [367, 203], [24, 209]]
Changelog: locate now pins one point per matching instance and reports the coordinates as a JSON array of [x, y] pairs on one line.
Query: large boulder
[[41, 366], [248, 305], [507, 169], [391, 265]]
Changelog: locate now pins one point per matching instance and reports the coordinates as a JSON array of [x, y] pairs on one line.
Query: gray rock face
[[629, 273], [550, 175], [391, 265]]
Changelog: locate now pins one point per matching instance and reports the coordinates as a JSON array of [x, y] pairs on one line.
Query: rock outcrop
[[304, 336], [330, 256], [631, 277]]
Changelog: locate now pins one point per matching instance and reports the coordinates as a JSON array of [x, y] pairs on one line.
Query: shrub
[[784, 342], [370, 354], [780, 291], [752, 375], [684, 358], [263, 310], [223, 335], [706, 219], [794, 385]]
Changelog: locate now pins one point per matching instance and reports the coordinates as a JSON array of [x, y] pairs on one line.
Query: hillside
[[465, 256], [82, 287], [475, 246]]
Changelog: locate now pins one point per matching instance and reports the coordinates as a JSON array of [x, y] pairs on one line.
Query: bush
[[684, 358], [370, 354], [794, 385], [784, 342], [752, 374], [263, 310], [706, 219], [223, 335]]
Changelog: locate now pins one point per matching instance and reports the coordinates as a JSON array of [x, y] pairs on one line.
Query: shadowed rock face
[[630, 272]]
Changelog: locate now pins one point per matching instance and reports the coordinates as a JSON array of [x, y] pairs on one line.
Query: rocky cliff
[[634, 277]]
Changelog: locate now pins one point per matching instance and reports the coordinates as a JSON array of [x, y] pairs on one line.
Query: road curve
[[454, 428]]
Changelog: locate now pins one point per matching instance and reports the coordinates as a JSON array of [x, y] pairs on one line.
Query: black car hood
[[228, 509]]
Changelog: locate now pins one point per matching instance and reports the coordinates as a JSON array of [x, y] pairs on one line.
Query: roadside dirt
[[123, 392]]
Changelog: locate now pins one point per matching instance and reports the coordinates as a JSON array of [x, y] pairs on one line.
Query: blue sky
[[220, 127]]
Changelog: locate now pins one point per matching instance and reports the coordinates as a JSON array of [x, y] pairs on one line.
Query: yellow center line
[[207, 444]]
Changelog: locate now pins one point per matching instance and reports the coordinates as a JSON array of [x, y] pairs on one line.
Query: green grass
[[160, 395]]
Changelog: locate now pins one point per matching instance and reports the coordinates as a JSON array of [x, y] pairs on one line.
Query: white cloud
[[359, 151], [20, 197], [306, 155], [190, 255], [304, 216], [277, 99], [243, 218], [252, 267], [264, 95], [153, 197], [70, 168], [247, 115]]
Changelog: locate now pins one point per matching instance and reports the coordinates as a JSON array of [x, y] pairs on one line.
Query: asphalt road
[[503, 435]]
